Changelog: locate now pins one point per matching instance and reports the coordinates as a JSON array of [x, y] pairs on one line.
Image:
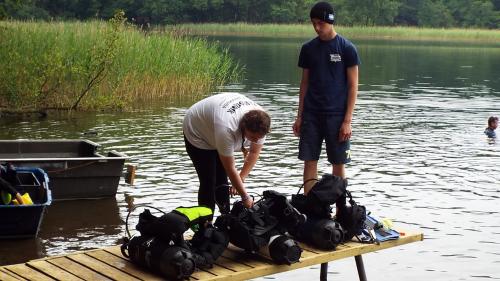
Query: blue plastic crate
[[23, 221]]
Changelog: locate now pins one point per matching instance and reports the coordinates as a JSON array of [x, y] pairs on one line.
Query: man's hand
[[296, 126], [345, 131], [233, 191], [247, 201]]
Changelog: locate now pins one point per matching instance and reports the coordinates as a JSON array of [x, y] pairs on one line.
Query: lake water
[[419, 157]]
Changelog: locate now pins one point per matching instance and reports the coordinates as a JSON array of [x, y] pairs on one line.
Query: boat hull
[[75, 168]]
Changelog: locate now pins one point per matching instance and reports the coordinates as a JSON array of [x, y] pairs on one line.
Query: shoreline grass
[[48, 65], [355, 32]]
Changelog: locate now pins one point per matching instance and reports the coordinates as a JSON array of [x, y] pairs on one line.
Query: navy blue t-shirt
[[327, 62]]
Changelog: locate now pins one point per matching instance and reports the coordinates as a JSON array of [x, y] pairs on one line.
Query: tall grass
[[49, 65], [359, 32]]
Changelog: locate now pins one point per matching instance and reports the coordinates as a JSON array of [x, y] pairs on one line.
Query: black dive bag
[[161, 246], [283, 249], [329, 190], [170, 226], [322, 233], [352, 218], [320, 229], [264, 225], [207, 245], [172, 262]]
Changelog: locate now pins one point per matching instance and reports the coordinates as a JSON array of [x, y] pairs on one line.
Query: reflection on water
[[68, 226], [419, 157], [80, 225]]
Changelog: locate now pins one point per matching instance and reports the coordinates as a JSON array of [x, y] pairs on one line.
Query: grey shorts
[[318, 127]]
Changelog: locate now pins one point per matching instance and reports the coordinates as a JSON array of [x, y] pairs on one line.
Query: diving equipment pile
[[321, 229], [161, 246], [263, 227], [268, 227], [326, 230]]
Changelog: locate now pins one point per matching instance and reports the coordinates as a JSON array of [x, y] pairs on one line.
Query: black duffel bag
[[330, 189]]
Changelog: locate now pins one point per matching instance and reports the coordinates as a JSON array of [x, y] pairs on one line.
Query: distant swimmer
[[492, 125]]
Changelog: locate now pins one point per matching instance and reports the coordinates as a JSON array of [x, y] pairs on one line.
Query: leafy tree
[[496, 4], [431, 13], [283, 12], [434, 13], [475, 13], [7, 7], [368, 12], [85, 9], [407, 14], [29, 10], [102, 58]]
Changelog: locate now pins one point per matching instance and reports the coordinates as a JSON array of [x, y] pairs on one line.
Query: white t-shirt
[[213, 123]]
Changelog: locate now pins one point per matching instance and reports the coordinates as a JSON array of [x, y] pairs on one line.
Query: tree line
[[421, 13]]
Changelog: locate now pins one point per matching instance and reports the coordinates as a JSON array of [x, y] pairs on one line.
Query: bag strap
[[351, 201], [313, 179]]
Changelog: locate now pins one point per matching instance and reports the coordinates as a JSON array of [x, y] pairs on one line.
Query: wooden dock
[[234, 264]]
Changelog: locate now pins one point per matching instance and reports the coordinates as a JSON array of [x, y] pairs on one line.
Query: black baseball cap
[[323, 11]]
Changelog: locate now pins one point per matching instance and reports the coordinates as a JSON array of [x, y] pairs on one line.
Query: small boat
[[75, 169], [23, 221]]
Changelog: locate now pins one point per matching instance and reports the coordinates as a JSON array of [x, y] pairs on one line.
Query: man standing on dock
[[328, 92]]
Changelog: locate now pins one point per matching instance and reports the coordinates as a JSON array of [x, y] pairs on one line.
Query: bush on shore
[[104, 66]]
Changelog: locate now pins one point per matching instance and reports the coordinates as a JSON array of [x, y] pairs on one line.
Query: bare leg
[[310, 172], [338, 170]]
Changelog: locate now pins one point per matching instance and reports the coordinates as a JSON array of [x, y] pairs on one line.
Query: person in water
[[327, 96], [492, 125], [216, 127]]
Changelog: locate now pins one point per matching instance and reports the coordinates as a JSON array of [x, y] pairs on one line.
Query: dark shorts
[[318, 127]]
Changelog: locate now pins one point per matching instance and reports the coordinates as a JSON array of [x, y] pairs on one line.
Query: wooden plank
[[234, 264], [52, 270], [77, 269], [201, 275], [252, 260], [351, 249], [219, 270], [309, 249], [28, 272], [230, 264], [5, 277], [197, 275], [115, 250], [102, 268], [209, 274], [124, 265], [306, 253], [9, 276]]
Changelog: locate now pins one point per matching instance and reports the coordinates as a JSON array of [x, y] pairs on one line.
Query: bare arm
[[352, 95], [234, 177], [250, 160], [304, 82]]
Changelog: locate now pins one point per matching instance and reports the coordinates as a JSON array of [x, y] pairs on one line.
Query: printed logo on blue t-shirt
[[335, 58]]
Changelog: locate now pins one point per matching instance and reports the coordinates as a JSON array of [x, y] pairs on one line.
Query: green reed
[[358, 32], [52, 64]]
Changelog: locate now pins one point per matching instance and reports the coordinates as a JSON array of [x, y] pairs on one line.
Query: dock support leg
[[324, 271], [361, 268]]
